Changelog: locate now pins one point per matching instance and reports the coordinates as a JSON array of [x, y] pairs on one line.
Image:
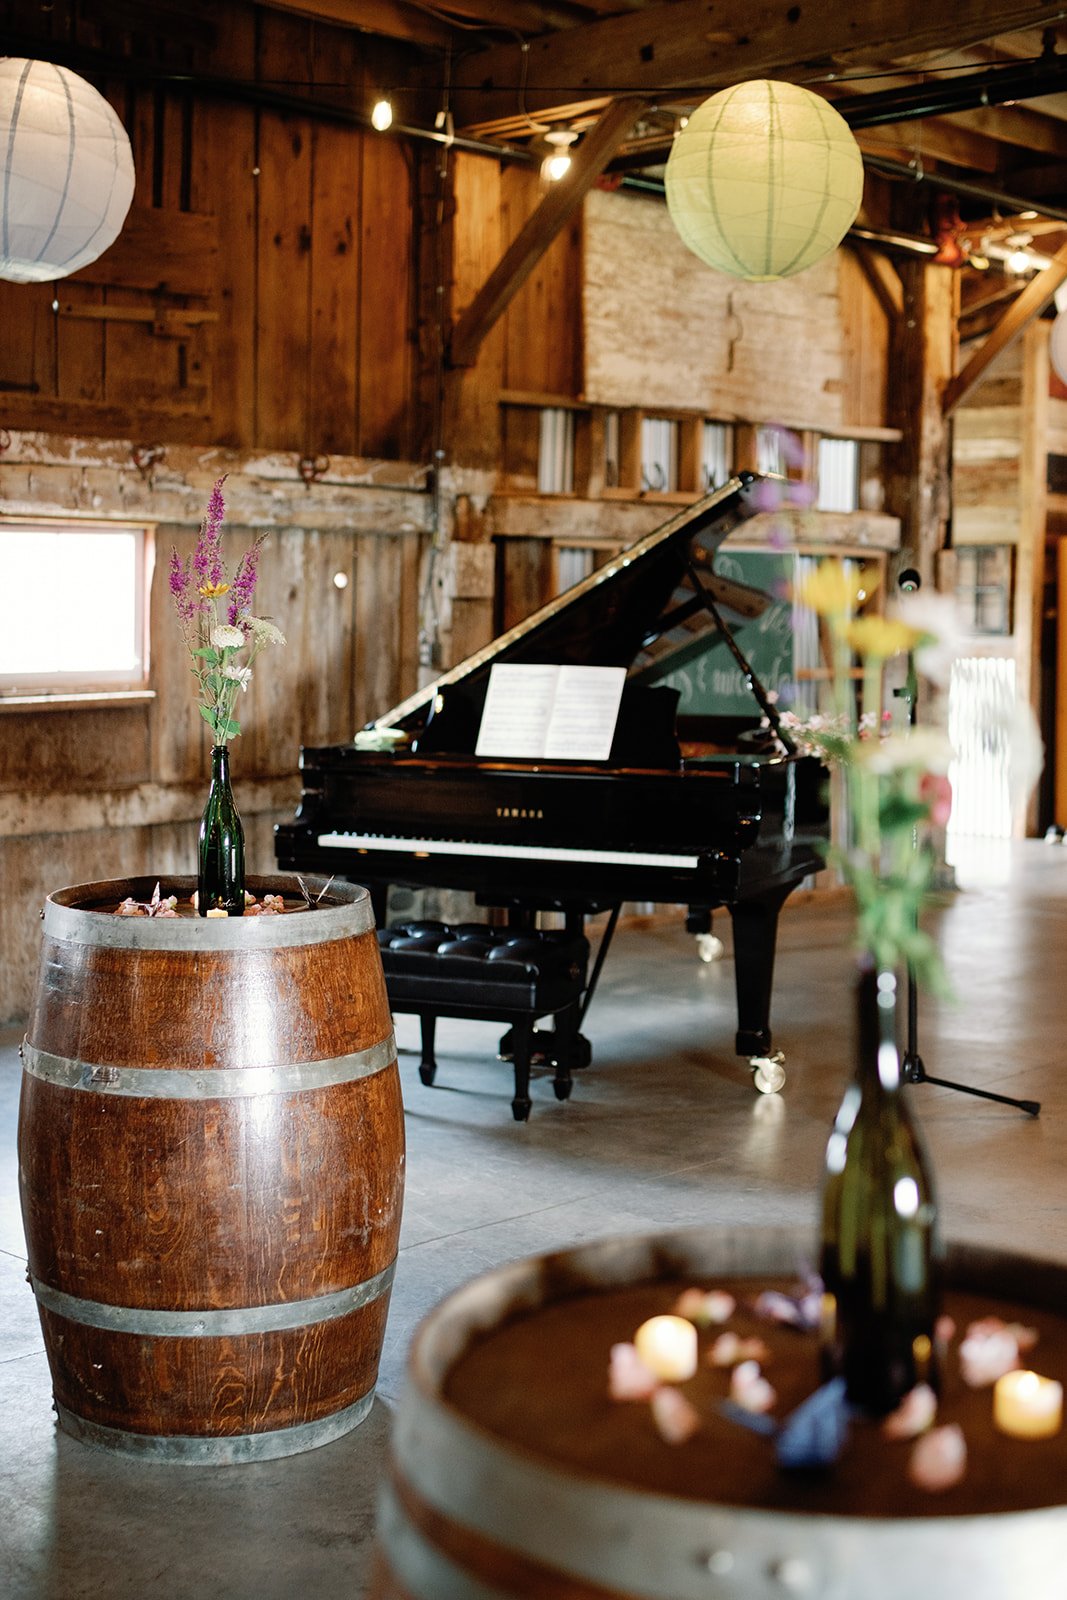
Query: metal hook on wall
[[144, 458], [311, 468]]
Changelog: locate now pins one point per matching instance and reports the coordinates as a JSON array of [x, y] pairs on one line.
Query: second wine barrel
[[211, 1160]]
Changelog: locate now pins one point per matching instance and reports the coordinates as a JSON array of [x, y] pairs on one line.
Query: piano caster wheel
[[562, 1088], [428, 1073], [768, 1072], [709, 947]]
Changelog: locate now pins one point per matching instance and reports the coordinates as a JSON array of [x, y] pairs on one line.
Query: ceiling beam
[[1030, 304], [391, 18], [689, 42], [539, 230]]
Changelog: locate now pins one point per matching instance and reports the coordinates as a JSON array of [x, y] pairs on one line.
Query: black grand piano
[[718, 811]]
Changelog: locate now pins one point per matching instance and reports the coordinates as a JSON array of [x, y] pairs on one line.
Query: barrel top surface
[[516, 1364], [85, 914]]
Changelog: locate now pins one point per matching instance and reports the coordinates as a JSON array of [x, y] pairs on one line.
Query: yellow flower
[[878, 638], [833, 591], [212, 591]]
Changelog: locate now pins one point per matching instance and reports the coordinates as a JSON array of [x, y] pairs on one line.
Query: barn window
[[77, 609]]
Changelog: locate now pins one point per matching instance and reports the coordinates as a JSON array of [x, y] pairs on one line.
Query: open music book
[[562, 713]]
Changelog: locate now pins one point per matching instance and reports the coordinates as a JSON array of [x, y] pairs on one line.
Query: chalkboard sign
[[706, 675]]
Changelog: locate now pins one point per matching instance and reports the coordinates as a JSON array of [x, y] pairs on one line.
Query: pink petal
[[673, 1415], [914, 1414], [704, 1307], [628, 1377], [985, 1358], [729, 1349], [725, 1352], [749, 1390], [944, 1329], [939, 1459]]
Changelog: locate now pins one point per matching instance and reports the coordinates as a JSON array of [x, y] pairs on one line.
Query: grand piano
[[702, 813]]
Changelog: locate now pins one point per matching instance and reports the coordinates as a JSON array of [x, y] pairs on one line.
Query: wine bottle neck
[[879, 1057], [220, 763]]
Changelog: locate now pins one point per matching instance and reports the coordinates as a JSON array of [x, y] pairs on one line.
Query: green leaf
[[208, 714], [210, 656]]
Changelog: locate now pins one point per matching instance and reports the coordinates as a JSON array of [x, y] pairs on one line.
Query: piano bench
[[436, 970]]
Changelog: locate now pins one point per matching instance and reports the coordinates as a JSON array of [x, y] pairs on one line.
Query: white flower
[[938, 617], [226, 638], [264, 632], [241, 675], [927, 749]]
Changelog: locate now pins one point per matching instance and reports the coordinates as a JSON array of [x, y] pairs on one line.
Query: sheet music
[[563, 713]]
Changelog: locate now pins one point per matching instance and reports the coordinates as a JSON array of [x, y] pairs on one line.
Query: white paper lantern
[[764, 180], [1057, 349], [66, 172]]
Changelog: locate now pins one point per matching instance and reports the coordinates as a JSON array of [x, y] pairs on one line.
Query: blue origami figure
[[815, 1434]]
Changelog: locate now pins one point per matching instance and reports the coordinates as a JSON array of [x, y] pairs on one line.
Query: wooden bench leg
[[428, 1064], [522, 1040]]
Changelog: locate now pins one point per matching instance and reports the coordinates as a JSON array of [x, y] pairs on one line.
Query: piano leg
[[755, 923], [522, 1037], [428, 1064]]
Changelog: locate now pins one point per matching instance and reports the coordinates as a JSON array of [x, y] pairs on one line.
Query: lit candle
[[216, 911], [1028, 1406], [668, 1347]]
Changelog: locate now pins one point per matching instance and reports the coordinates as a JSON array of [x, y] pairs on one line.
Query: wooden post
[[922, 361], [1030, 563]]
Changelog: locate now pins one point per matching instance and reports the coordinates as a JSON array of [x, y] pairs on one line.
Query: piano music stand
[[912, 1068]]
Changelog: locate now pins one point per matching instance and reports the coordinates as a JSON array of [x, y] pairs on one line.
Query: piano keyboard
[[511, 852]]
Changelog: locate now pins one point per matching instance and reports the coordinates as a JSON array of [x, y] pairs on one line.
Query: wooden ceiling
[[960, 107]]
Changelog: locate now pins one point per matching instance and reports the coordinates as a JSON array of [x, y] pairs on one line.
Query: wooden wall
[[110, 790], [261, 294]]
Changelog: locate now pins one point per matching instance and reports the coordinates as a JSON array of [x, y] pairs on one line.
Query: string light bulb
[[557, 163], [382, 115]]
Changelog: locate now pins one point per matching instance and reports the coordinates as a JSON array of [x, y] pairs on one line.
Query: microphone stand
[[912, 1068]]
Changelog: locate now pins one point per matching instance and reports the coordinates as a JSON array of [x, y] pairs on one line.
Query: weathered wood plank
[[386, 335], [334, 290]]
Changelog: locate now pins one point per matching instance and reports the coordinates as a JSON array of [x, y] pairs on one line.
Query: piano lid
[[637, 611]]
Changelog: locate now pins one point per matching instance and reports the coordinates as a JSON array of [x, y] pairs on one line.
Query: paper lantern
[[66, 174], [1057, 349], [764, 180]]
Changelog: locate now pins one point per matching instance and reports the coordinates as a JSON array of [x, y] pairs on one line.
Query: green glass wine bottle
[[221, 853], [880, 1252]]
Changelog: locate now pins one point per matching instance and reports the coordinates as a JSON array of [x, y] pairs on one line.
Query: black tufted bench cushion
[[434, 969]]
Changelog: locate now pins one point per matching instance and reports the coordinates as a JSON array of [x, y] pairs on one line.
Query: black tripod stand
[[912, 1069]]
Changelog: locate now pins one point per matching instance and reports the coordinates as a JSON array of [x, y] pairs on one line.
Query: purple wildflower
[[207, 561], [186, 601], [244, 583]]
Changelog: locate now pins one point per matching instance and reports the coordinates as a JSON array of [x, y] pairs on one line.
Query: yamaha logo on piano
[[520, 811]]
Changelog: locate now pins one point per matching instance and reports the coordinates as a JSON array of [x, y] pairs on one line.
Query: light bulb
[[382, 116], [1018, 262], [558, 161]]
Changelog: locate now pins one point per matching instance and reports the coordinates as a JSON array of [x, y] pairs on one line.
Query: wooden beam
[[1030, 304], [688, 42], [882, 277], [390, 18], [539, 230]]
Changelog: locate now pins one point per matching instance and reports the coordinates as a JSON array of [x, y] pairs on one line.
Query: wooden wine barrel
[[513, 1473], [211, 1153]]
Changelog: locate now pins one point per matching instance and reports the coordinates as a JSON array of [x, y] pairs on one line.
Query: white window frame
[[100, 686]]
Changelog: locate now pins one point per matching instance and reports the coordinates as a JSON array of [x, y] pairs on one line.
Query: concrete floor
[[663, 1130]]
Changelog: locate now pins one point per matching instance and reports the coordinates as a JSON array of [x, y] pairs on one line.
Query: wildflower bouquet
[[895, 779], [215, 612]]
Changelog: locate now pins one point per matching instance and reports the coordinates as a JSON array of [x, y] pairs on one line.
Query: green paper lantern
[[764, 180]]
